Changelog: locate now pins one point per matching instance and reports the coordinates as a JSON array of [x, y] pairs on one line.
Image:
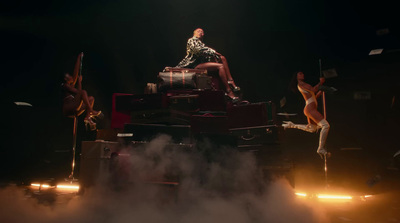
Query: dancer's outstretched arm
[[77, 68]]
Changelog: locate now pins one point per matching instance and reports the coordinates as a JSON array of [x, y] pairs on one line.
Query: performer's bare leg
[[212, 66], [84, 102], [91, 113], [313, 116], [88, 102], [312, 113], [228, 72], [91, 101]]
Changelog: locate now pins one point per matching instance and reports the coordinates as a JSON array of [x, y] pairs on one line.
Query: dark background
[[126, 44]]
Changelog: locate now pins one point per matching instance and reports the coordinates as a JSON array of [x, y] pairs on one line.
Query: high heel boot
[[233, 98], [308, 128], [96, 114], [322, 138], [89, 124]]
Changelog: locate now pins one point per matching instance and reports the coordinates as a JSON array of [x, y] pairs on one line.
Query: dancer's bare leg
[[227, 71], [313, 114], [88, 104], [91, 101], [211, 66]]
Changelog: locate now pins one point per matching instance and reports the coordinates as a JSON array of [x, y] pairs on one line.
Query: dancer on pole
[[315, 119], [76, 100]]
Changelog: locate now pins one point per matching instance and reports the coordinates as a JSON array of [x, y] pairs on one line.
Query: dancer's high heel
[[234, 88], [287, 124], [234, 99], [89, 124], [323, 153], [96, 114]]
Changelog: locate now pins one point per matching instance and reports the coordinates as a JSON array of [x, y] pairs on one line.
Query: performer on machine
[[76, 100], [315, 119], [200, 56]]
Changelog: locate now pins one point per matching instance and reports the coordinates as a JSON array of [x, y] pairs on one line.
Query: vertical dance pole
[[323, 92], [75, 130], [324, 107]]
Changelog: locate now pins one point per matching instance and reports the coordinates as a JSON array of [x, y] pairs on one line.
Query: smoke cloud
[[215, 185]]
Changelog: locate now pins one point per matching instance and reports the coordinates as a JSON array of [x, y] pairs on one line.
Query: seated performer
[[199, 56], [76, 100], [315, 119]]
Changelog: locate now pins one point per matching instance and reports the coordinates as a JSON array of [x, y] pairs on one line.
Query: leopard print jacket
[[196, 53]]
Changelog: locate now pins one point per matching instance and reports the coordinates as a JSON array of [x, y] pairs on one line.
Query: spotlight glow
[[335, 197], [71, 187], [332, 197], [301, 194], [40, 185]]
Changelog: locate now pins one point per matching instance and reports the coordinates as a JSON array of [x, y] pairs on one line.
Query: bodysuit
[[305, 91]]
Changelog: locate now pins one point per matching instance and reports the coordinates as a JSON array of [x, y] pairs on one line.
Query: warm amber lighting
[[334, 197], [70, 187], [59, 186], [41, 185], [337, 197], [301, 194]]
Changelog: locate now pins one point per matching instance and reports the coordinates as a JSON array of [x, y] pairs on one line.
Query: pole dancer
[[76, 99], [315, 119]]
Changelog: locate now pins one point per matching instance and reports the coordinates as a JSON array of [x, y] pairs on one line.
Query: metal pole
[[324, 104], [323, 92], [326, 172], [324, 107], [75, 130]]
